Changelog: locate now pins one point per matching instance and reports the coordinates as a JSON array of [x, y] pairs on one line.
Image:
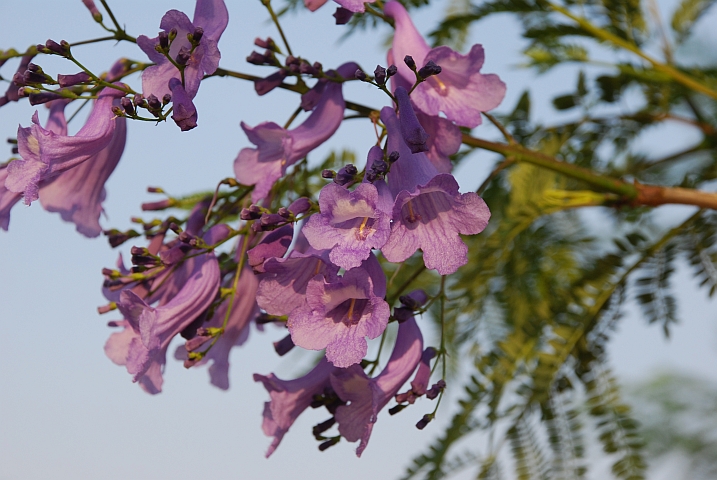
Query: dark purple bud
[[43, 97], [155, 190], [379, 167], [15, 150], [380, 75], [118, 111], [196, 342], [71, 80], [292, 60], [423, 374], [90, 4], [163, 41], [308, 69], [294, 69], [138, 100], [153, 103], [166, 98], [424, 421], [413, 133], [318, 66], [371, 176], [62, 48], [251, 213], [395, 409], [410, 62], [391, 71], [106, 308], [360, 75], [183, 56], [172, 34], [33, 78], [271, 219], [33, 67], [18, 79], [323, 426], [143, 260], [437, 388], [266, 85], [175, 228], [197, 35], [429, 69], [417, 297], [159, 205], [284, 345], [138, 251], [328, 173], [393, 157], [329, 443], [300, 205], [284, 212], [263, 43], [343, 15], [401, 314], [345, 175], [256, 58]]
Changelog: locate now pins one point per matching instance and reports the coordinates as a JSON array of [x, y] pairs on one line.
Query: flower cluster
[[314, 266]]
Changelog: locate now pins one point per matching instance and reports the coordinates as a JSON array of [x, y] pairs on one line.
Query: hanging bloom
[[236, 332], [460, 91], [45, 154], [274, 245], [278, 148], [77, 193], [338, 316], [289, 398], [210, 20], [444, 140], [351, 223], [184, 112], [152, 329], [428, 213], [367, 396]]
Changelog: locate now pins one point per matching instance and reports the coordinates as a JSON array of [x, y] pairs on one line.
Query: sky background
[[67, 412]]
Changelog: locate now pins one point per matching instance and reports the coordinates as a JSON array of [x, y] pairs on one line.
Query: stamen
[[438, 85], [350, 313], [318, 267], [412, 217], [363, 230]]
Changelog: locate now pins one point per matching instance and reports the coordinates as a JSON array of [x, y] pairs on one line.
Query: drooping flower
[[46, 154], [367, 396], [77, 193], [278, 148], [142, 346], [289, 398], [351, 223], [339, 315], [460, 91], [210, 20], [428, 212], [11, 94], [236, 331]]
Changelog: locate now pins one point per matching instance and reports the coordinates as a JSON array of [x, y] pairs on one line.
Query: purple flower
[[367, 396], [274, 245], [444, 140], [277, 148], [413, 133], [184, 112], [11, 94], [339, 315], [428, 213], [153, 328], [282, 288], [460, 91], [211, 17], [289, 398], [236, 332], [77, 194], [419, 385], [7, 200], [45, 154], [351, 223]]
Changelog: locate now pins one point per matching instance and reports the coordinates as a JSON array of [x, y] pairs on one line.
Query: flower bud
[[183, 56], [328, 173], [172, 34], [429, 69], [360, 75], [300, 205], [380, 75], [71, 80], [410, 62], [256, 58], [393, 157], [343, 15], [391, 71], [197, 35], [345, 175], [163, 41]]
